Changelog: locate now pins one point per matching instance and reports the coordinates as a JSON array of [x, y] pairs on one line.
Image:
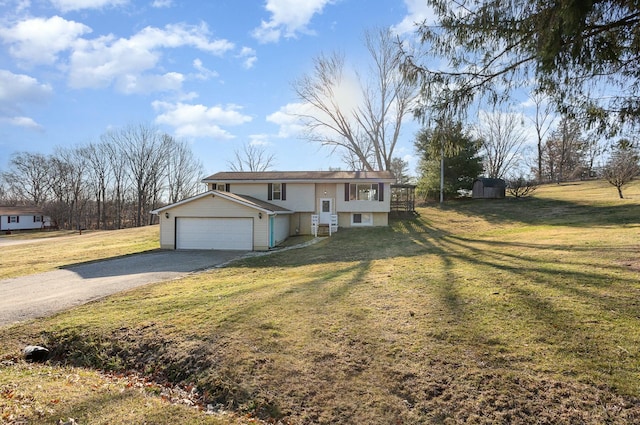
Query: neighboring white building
[[23, 218], [259, 210]]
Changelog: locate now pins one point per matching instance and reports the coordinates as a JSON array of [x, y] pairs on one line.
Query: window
[[276, 191], [363, 192], [361, 219], [37, 219], [13, 219]]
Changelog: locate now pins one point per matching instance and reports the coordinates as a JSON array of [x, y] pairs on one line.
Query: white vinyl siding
[[212, 207]]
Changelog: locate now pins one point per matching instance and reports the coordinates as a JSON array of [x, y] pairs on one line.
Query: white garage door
[[214, 233]]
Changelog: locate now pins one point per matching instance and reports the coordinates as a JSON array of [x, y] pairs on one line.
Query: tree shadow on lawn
[[536, 211], [561, 303]]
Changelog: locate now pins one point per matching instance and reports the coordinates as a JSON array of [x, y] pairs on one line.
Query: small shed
[[487, 188]]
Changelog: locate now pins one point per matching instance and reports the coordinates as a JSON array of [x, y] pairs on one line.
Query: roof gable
[[247, 201]]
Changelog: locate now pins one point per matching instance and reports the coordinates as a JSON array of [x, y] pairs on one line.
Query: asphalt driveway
[[43, 294]]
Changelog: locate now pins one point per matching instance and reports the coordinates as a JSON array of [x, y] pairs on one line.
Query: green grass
[[508, 311]]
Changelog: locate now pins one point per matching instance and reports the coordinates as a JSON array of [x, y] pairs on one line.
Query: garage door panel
[[214, 233]]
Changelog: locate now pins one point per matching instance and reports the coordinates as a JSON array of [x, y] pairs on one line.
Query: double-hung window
[[277, 192]]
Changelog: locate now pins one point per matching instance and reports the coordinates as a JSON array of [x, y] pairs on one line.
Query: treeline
[[110, 184]]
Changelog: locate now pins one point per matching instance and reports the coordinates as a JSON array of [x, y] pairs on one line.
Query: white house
[[22, 218], [259, 210]]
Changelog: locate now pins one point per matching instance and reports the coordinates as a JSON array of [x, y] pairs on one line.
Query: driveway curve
[[43, 294]]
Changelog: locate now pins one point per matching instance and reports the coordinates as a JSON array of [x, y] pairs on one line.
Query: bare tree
[[118, 171], [563, 154], [623, 166], [520, 187], [367, 129], [503, 137], [184, 171], [542, 121], [97, 155], [251, 157], [593, 148], [69, 172], [28, 177], [145, 152]]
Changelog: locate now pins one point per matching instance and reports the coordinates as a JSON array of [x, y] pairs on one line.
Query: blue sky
[[216, 73]]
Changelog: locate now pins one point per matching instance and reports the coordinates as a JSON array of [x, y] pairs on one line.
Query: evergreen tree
[[462, 162]]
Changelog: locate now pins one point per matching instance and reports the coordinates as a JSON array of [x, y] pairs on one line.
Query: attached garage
[[214, 233], [224, 221]]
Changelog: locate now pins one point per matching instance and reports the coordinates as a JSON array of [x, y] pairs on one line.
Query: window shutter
[[381, 192], [34, 218], [17, 219], [346, 192], [283, 195], [227, 187], [270, 191]]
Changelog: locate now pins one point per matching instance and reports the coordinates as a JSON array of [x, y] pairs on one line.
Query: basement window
[[362, 219]]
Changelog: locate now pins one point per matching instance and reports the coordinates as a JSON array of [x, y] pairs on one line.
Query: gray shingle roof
[[20, 211], [251, 201], [299, 176]]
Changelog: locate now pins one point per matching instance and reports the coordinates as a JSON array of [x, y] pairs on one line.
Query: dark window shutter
[[227, 187], [346, 192], [283, 195], [17, 219], [34, 218], [270, 191], [380, 192]]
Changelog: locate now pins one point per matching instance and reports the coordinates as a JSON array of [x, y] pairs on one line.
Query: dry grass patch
[[65, 250], [476, 312]]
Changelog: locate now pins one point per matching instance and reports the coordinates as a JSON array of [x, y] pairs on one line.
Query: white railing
[[333, 226], [315, 223]]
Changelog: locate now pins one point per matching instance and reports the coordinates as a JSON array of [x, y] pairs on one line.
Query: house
[[22, 218], [485, 188], [259, 210]]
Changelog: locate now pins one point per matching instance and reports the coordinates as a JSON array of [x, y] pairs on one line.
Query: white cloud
[[159, 4], [17, 90], [288, 18], [39, 41], [191, 120], [20, 88], [288, 119], [203, 72], [171, 81], [419, 12], [24, 122], [259, 140], [71, 5], [249, 56], [100, 62]]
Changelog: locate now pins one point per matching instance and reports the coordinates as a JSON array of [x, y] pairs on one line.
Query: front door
[[325, 210]]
